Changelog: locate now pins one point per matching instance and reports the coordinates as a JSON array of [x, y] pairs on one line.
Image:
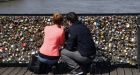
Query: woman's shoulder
[[47, 28], [54, 27]]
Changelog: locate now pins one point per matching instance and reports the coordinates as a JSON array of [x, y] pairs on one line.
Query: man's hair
[[72, 17], [57, 18]]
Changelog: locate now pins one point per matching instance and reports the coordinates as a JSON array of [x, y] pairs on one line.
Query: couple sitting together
[[78, 48]]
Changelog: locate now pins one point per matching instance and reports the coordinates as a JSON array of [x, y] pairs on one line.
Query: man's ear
[[69, 23]]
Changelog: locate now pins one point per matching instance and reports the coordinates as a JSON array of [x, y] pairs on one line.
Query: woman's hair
[[57, 18], [72, 17]]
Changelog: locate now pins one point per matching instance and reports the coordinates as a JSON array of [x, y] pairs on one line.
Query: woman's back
[[53, 39]]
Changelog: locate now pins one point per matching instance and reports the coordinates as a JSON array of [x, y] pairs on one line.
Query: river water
[[64, 6]]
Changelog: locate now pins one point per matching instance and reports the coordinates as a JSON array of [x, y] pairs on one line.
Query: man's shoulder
[[77, 25], [74, 28]]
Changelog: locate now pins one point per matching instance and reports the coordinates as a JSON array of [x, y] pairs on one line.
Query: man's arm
[[71, 41]]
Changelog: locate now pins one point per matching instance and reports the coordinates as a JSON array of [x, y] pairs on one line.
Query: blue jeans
[[49, 62]]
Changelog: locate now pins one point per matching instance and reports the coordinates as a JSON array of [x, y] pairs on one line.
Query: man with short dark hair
[[79, 46]]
